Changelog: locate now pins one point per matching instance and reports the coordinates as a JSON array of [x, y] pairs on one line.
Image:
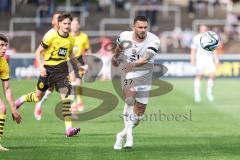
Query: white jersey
[[201, 54], [135, 50], [204, 58]]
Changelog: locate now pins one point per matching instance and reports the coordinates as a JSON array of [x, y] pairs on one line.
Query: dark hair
[[140, 18], [3, 38], [64, 16]]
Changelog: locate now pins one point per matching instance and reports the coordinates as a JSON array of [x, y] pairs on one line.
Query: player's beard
[[141, 35]]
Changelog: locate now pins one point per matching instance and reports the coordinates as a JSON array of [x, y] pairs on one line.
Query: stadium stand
[[108, 19]]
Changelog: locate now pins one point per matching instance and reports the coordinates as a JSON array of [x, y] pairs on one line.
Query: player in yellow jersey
[[38, 109], [81, 47], [4, 75], [56, 50]]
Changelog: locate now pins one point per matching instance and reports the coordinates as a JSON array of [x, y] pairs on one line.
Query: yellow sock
[[81, 72], [30, 97], [2, 121], [79, 92], [66, 112]]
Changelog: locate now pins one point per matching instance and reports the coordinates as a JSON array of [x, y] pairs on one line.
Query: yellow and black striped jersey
[[81, 44], [4, 69], [57, 48]]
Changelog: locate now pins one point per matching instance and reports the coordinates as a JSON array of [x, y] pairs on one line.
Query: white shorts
[[205, 67], [141, 85], [142, 93]]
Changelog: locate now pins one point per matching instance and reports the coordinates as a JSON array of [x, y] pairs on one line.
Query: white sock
[[44, 98], [68, 127], [126, 113], [209, 87], [74, 89], [197, 86], [131, 121]]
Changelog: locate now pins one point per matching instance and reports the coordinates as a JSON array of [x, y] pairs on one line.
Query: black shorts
[[80, 60], [57, 77]]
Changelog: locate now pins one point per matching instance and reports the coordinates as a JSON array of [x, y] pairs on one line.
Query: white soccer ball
[[209, 40]]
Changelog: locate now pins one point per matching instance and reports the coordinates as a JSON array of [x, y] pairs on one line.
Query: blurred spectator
[[191, 9], [141, 2], [10, 51], [102, 4], [186, 38], [45, 8], [85, 4], [120, 3], [231, 26], [33, 1], [200, 7], [150, 14], [105, 54], [19, 2], [176, 35], [5, 6]]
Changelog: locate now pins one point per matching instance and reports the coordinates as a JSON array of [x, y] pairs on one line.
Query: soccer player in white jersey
[[138, 47], [205, 62]]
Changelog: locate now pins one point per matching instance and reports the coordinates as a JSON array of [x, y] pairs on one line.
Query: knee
[[38, 97], [130, 101]]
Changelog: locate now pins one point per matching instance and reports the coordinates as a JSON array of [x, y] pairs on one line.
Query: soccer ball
[[209, 40]]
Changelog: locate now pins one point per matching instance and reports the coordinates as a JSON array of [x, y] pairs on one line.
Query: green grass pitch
[[212, 132]]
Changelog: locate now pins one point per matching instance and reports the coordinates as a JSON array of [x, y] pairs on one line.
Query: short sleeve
[[154, 46], [4, 74], [47, 40], [120, 39]]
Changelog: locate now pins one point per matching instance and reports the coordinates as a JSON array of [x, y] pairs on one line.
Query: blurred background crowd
[[174, 21]]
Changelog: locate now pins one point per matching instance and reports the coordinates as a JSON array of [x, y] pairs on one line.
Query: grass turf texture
[[212, 133]]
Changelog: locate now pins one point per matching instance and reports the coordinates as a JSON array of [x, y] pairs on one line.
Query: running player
[[56, 49], [38, 109], [139, 47]]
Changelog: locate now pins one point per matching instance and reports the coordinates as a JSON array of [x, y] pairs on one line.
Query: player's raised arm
[[117, 52]]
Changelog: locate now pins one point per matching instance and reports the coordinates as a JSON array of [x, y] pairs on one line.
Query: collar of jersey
[[62, 36]]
